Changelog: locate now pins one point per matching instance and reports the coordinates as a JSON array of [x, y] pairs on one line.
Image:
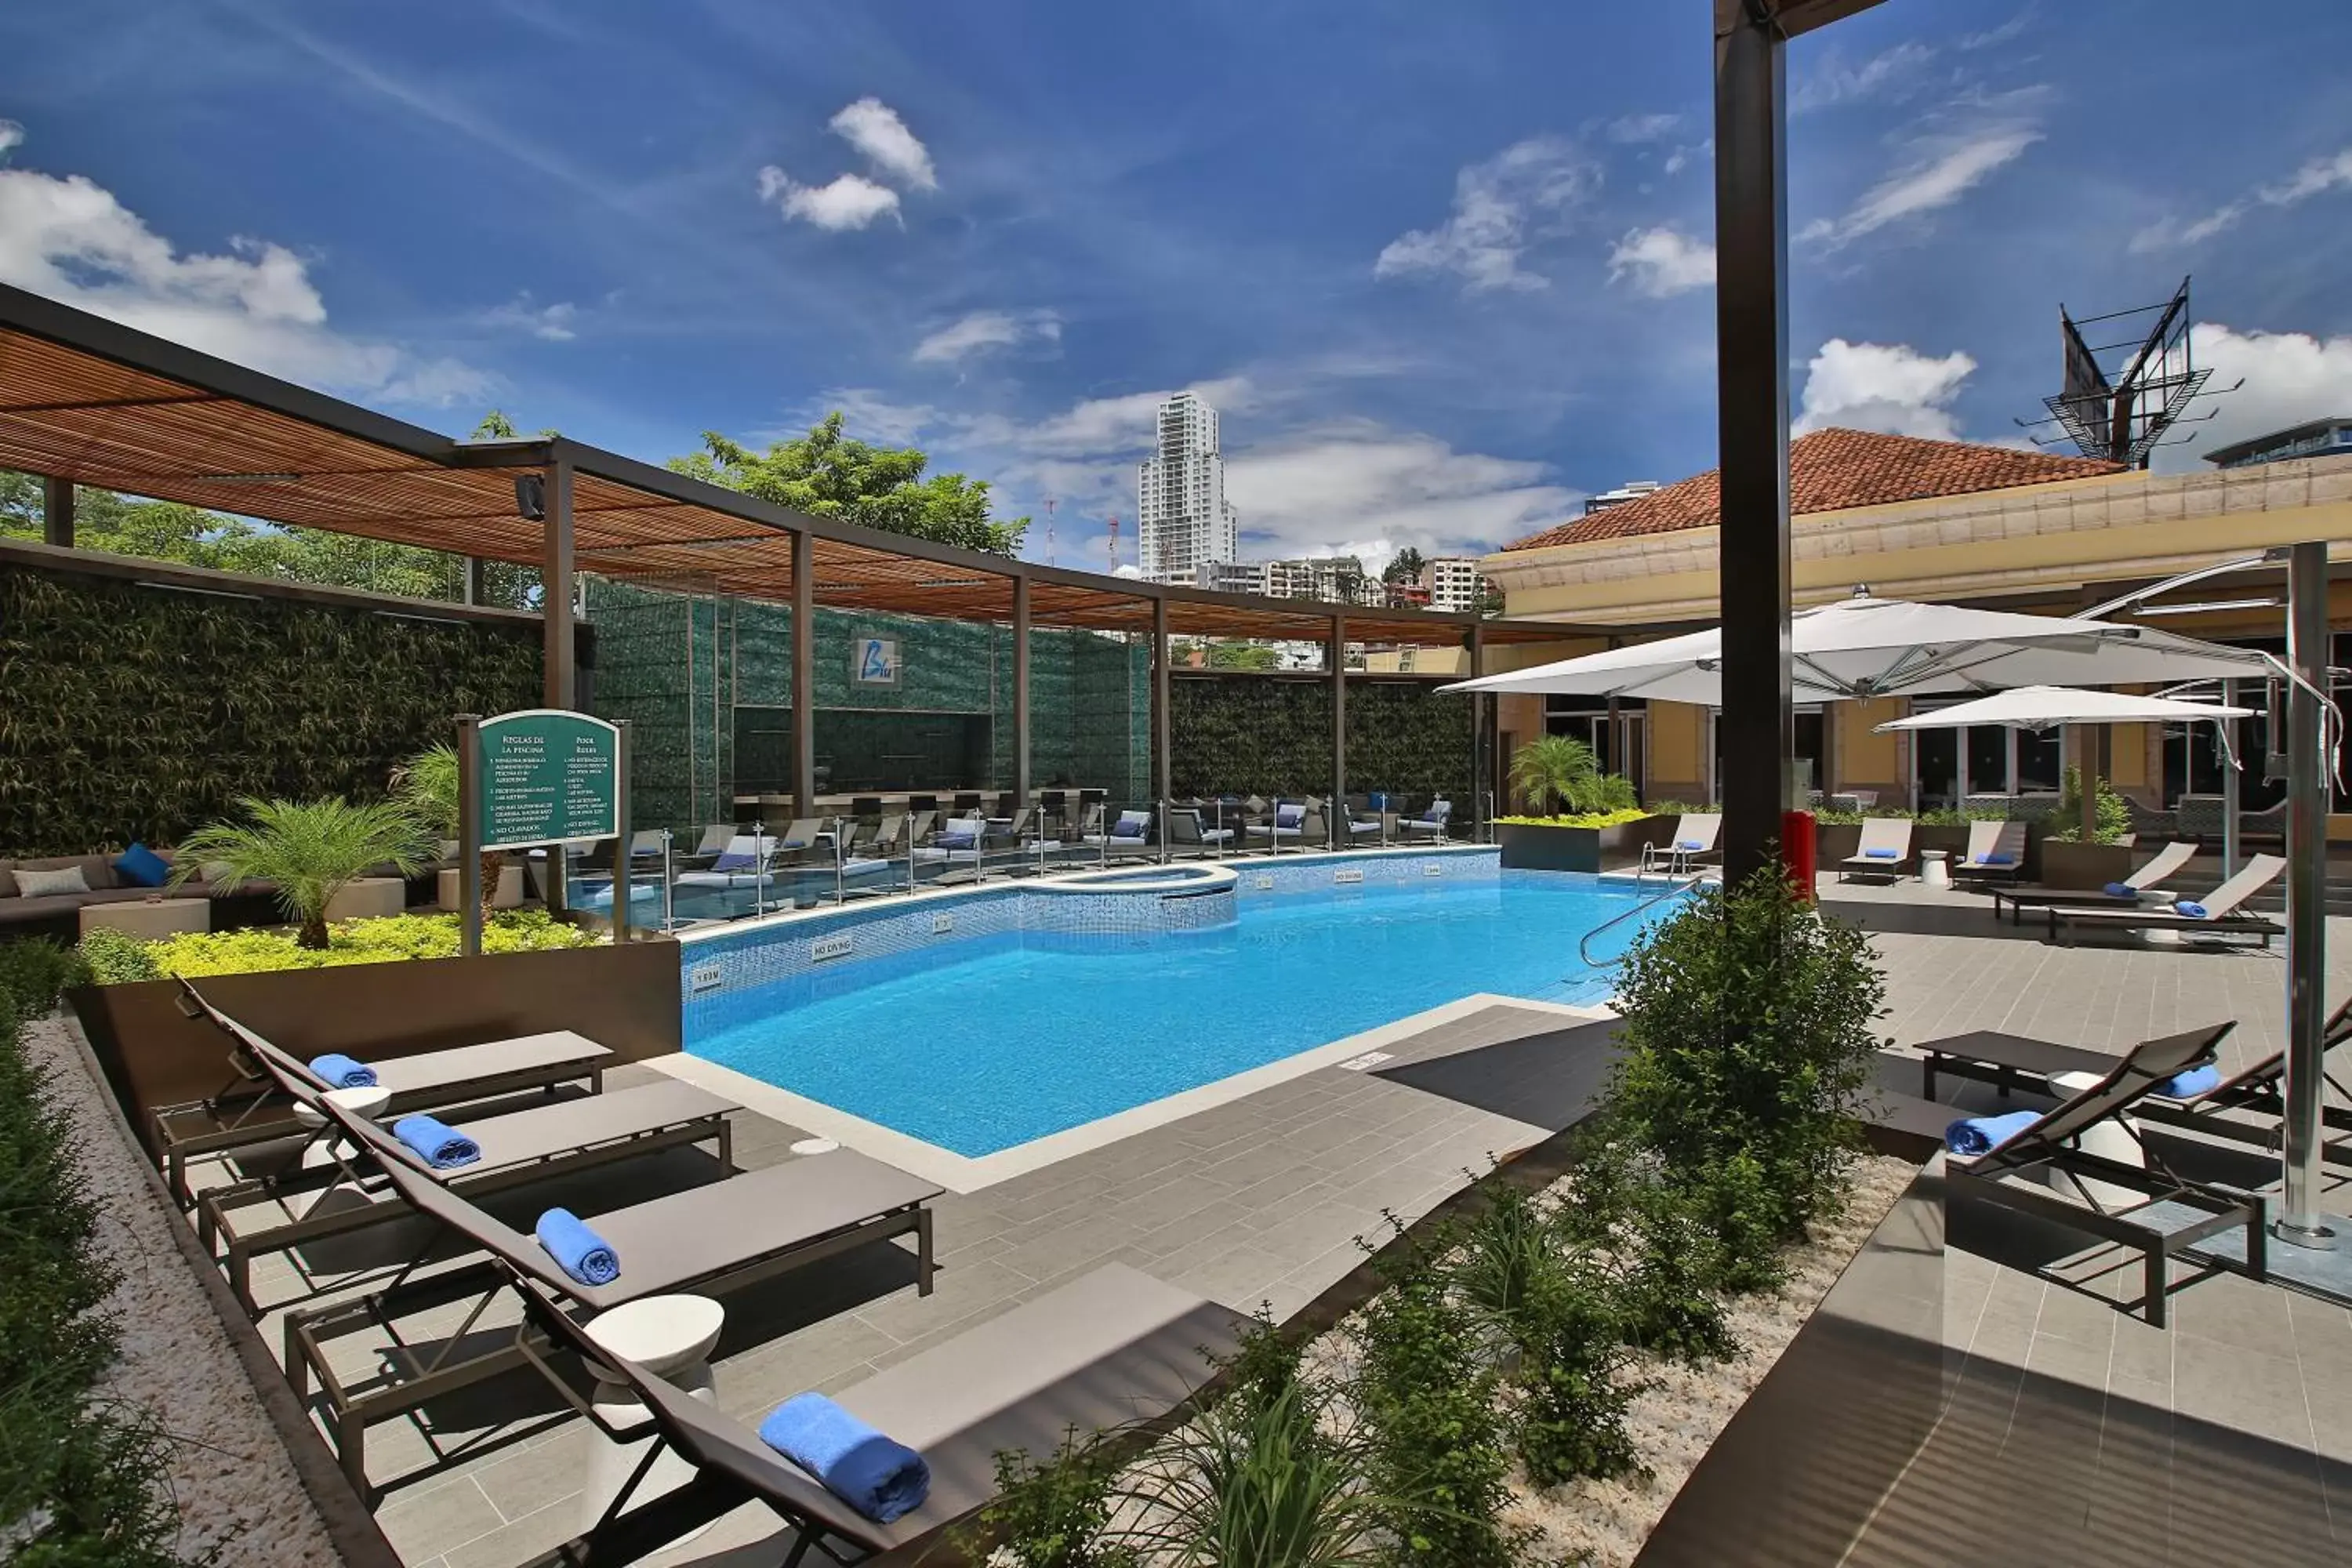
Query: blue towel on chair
[[2121, 890], [1996, 857], [2191, 908], [339, 1071], [577, 1250], [1882, 854], [1983, 1134], [1689, 844], [436, 1143], [957, 840], [881, 1480], [2190, 1084]]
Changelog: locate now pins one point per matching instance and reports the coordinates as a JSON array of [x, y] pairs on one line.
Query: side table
[[669, 1335]]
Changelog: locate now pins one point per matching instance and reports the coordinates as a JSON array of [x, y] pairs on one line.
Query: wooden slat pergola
[[87, 401]]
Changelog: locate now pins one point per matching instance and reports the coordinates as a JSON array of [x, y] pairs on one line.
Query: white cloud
[[1498, 205], [1891, 387], [1946, 170], [12, 136], [555, 323], [1892, 73], [1634, 128], [850, 201], [1358, 488], [2290, 377], [1991, 37], [1662, 262], [2317, 177], [72, 240], [875, 129], [984, 330]]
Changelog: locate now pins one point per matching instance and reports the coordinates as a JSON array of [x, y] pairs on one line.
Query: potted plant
[[1598, 819], [306, 850], [2066, 860]]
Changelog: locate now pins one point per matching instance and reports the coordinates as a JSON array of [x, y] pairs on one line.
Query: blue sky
[[1443, 268]]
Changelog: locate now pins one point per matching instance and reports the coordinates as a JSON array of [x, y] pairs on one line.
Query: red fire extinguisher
[[1797, 850]]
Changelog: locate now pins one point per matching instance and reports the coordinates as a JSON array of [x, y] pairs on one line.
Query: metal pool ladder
[[1584, 942]]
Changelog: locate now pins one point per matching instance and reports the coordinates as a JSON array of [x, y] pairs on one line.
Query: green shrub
[[116, 958], [2065, 825], [1609, 818], [383, 940], [83, 1485], [1572, 1384], [1747, 1047], [1436, 1460], [1055, 1514], [33, 970], [1671, 1264]]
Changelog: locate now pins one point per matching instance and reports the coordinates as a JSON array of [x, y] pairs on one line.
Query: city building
[[2315, 439], [1333, 579], [1183, 522], [1232, 576], [1452, 583], [1941, 521], [1409, 594]]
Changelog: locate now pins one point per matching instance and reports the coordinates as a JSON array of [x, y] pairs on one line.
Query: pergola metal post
[[1751, 234], [1335, 813], [2301, 1221], [58, 512], [1480, 758], [803, 688], [2228, 782], [558, 677], [1163, 772], [470, 583], [1020, 780], [623, 859]]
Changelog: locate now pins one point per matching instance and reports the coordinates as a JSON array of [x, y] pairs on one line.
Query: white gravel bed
[[231, 1475]]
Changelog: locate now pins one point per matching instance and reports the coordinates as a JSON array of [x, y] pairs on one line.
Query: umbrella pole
[[2301, 1222], [2228, 782]]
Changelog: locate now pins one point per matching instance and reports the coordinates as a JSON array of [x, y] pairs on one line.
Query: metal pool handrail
[[1584, 943]]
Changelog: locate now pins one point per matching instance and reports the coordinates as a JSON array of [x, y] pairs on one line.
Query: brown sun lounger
[[2222, 916], [2163, 864], [1113, 1350], [2175, 1214], [705, 1239]]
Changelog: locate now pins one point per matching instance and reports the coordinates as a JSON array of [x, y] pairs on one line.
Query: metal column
[[469, 835], [58, 512], [1335, 815], [1162, 771], [1020, 752], [1481, 754], [470, 583], [803, 695], [1751, 230], [2300, 1220], [559, 676], [2229, 783], [624, 862]]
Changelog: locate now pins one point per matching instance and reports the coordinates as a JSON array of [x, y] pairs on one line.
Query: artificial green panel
[[1271, 735], [129, 711]]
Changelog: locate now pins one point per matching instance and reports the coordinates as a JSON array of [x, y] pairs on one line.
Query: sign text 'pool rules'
[[538, 777]]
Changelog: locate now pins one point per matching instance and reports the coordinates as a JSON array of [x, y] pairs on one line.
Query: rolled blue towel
[[339, 1071], [577, 1250], [1996, 857], [2190, 1084], [2189, 907], [1882, 854], [957, 840], [1983, 1134], [2121, 890], [1689, 844], [436, 1143], [881, 1480]]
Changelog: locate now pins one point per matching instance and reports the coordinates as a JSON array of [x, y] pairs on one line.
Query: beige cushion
[[34, 882]]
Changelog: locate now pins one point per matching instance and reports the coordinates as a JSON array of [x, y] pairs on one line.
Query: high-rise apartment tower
[[1182, 520]]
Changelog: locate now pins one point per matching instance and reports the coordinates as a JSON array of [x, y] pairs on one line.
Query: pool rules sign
[[541, 777]]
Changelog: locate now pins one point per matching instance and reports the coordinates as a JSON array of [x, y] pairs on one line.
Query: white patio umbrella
[[1863, 647], [2047, 707]]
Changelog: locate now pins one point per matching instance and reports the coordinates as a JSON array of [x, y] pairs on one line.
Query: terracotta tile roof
[[1830, 471]]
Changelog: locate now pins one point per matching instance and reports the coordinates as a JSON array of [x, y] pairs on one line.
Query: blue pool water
[[998, 1044]]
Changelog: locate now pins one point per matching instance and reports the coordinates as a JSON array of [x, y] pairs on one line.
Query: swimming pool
[[1005, 1037]]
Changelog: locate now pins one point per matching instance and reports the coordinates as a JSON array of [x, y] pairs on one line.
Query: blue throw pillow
[[142, 867], [1289, 815]]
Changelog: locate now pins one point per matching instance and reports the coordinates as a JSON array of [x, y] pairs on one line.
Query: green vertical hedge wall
[[1269, 734], [131, 713]]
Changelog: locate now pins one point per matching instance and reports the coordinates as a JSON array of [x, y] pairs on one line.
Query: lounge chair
[[1113, 1350], [2220, 907], [1130, 835], [1996, 853], [2162, 864], [1885, 848], [1287, 825], [704, 1240], [2176, 1215], [1188, 838], [425, 1080], [1695, 839], [1429, 823]]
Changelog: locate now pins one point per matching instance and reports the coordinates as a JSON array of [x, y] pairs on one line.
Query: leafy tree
[[310, 850], [1551, 767], [1489, 603], [1404, 566], [828, 474], [1243, 656]]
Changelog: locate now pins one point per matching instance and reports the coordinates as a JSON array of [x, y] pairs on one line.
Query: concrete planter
[[509, 888], [1835, 841], [2065, 865], [1534, 846]]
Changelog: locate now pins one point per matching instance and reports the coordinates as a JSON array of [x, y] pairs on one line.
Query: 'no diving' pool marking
[[1369, 1060], [1349, 874], [826, 947], [941, 925]]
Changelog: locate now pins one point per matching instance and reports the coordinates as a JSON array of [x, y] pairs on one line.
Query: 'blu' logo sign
[[878, 661]]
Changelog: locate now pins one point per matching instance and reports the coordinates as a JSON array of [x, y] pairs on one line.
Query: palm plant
[[309, 849], [427, 784], [1551, 767]]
